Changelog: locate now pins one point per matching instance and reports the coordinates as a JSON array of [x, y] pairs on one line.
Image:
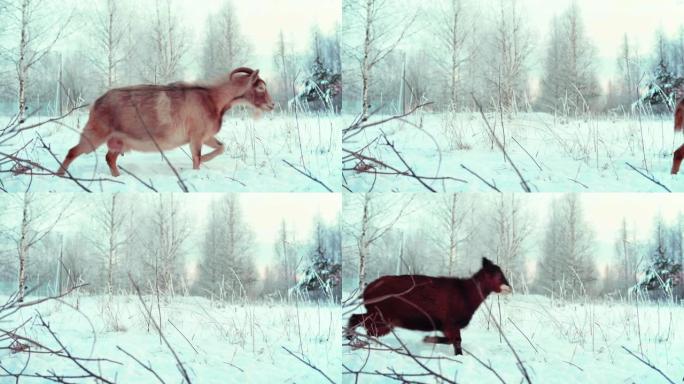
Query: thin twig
[[528, 154], [148, 312], [148, 367], [648, 364], [307, 174], [524, 184], [408, 167], [309, 364], [649, 177], [148, 185], [492, 186]]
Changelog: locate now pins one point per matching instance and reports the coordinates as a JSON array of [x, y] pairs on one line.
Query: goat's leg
[[88, 142], [111, 161], [196, 152], [454, 334], [677, 158], [376, 325], [218, 146]]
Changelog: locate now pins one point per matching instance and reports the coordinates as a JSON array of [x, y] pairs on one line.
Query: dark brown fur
[[426, 303]]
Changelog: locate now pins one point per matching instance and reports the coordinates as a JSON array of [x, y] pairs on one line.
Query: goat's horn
[[246, 70]]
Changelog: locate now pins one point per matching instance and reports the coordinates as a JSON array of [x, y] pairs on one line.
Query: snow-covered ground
[[557, 343], [240, 343], [253, 161], [584, 155]]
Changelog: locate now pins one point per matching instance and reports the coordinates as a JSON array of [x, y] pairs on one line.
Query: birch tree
[[451, 214], [225, 47], [452, 30], [39, 25], [109, 32], [227, 251], [510, 229], [385, 24], [38, 217], [166, 47], [112, 227], [569, 82], [376, 216], [509, 52]]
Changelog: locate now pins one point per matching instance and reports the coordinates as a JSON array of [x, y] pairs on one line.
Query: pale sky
[[602, 211], [262, 212], [605, 21], [260, 23]]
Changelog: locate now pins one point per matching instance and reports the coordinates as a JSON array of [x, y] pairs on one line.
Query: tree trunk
[[23, 249], [363, 243], [22, 69], [366, 64]]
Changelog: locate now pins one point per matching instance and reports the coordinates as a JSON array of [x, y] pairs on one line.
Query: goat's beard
[[257, 113]]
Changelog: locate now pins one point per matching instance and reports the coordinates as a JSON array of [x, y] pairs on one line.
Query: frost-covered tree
[[664, 88], [323, 89], [286, 63], [566, 266], [383, 25], [323, 274], [226, 268], [225, 47], [164, 236], [369, 217], [111, 234], [625, 263], [109, 32], [452, 230], [286, 259], [39, 25], [509, 228], [663, 273], [509, 49], [164, 45], [569, 82]]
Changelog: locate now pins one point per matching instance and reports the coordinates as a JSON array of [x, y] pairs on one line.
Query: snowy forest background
[[167, 246], [550, 244], [55, 55], [450, 50]]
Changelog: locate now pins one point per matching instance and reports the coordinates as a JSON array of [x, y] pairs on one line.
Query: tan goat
[[151, 118]]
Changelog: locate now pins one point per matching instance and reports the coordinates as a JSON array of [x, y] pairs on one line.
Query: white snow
[[582, 155], [568, 343], [236, 343], [253, 161]]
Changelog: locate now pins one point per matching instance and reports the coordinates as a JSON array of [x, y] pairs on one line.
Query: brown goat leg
[[454, 334], [88, 143], [677, 158], [218, 146], [111, 161], [436, 340], [196, 151]]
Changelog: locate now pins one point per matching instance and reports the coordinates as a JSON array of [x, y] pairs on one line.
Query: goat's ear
[[254, 77], [486, 262]]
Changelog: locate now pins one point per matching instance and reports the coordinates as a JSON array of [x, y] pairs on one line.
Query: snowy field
[[225, 343], [557, 343], [553, 155], [253, 161]]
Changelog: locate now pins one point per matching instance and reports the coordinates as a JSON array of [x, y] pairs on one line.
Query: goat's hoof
[[459, 352]]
